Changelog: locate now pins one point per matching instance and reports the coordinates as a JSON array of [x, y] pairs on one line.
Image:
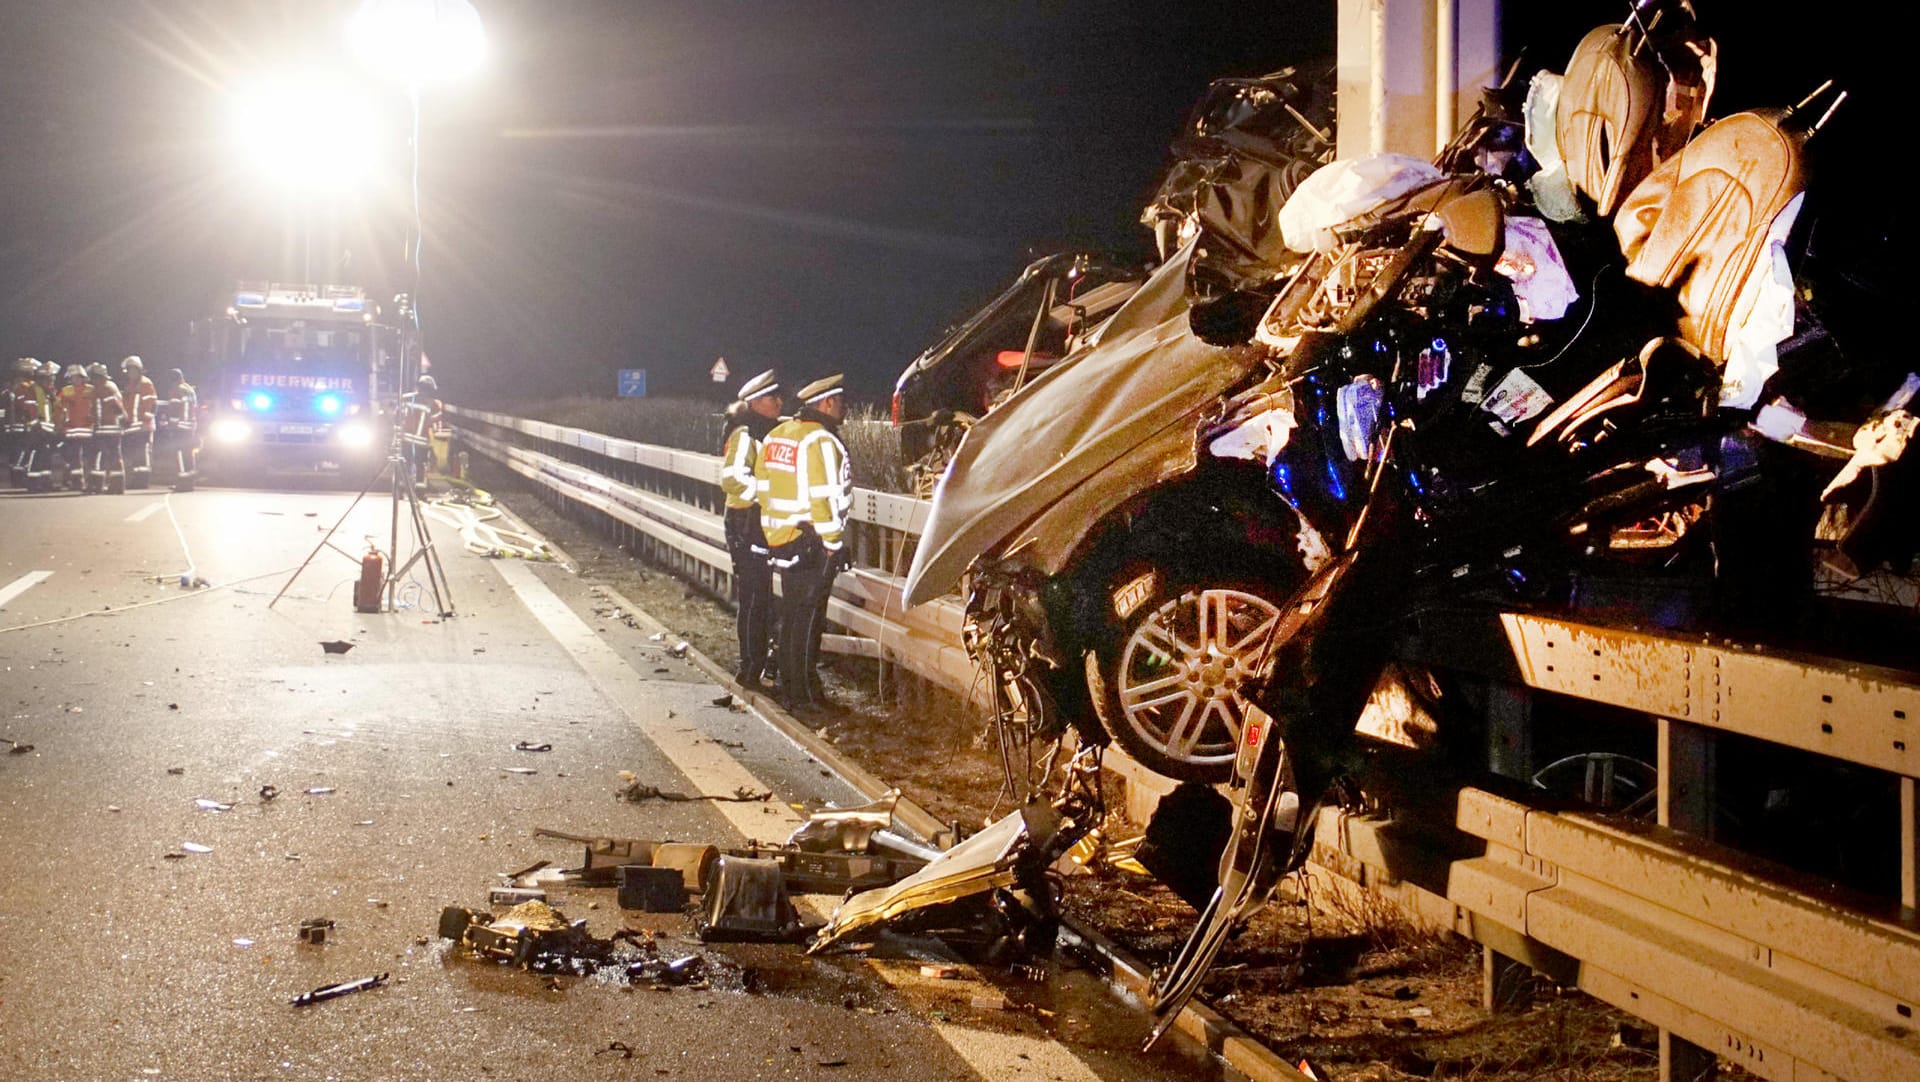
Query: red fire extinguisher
[[373, 576]]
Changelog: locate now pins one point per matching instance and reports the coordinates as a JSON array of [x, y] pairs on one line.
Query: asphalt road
[[123, 956]]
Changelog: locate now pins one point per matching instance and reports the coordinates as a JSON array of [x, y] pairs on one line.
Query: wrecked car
[[1544, 371], [1049, 311]]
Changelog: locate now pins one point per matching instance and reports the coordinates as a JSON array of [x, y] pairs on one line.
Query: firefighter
[[421, 415], [136, 443], [109, 423], [174, 431], [27, 418], [754, 413], [805, 487], [76, 428], [47, 440]]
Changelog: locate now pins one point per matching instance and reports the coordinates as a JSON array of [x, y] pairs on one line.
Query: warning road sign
[[719, 370]]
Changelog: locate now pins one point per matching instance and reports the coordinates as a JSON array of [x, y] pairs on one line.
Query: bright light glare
[[231, 430], [328, 404], [355, 434], [260, 400], [306, 132], [418, 41]]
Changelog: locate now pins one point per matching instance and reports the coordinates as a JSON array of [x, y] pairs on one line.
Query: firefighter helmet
[[133, 363], [76, 374], [97, 371], [175, 377], [24, 367]]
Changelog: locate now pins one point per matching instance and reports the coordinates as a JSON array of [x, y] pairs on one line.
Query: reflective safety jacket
[[803, 478], [737, 458], [177, 409], [141, 399], [109, 409], [76, 410], [26, 407]]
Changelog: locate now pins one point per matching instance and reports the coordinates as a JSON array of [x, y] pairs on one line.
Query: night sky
[[817, 186]]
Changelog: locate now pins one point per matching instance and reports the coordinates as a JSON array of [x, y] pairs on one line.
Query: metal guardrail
[[1693, 938]]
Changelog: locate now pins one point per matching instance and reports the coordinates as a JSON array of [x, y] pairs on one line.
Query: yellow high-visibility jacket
[[737, 461], [803, 477]]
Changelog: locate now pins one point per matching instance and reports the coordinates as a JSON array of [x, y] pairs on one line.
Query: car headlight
[[354, 434], [231, 430]]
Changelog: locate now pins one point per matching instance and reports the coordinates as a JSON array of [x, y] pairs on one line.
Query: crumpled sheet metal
[[1079, 424], [846, 830], [982, 863]]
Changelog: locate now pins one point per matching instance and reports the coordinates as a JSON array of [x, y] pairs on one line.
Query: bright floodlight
[[418, 41], [305, 132]]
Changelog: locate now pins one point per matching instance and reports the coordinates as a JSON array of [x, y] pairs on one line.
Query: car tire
[[1176, 675]]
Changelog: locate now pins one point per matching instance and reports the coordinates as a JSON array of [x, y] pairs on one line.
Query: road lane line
[[22, 584], [711, 769], [141, 515], [704, 762]]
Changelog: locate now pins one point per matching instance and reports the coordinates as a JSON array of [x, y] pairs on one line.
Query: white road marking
[[22, 584], [711, 769], [704, 762], [141, 515]]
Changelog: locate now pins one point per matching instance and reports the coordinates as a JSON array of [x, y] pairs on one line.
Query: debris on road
[[17, 748], [633, 791], [336, 646], [314, 930], [207, 804], [621, 1047], [748, 901], [318, 790], [516, 769], [680, 648], [652, 889], [846, 829], [195, 847], [335, 991], [176, 770], [268, 792], [508, 897], [528, 745]]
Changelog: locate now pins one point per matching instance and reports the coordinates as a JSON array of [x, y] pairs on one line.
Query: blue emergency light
[[260, 401], [328, 404]]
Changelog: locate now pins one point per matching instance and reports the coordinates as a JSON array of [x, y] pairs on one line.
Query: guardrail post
[[1506, 985], [1909, 844], [1684, 1061], [1686, 764], [1510, 731]]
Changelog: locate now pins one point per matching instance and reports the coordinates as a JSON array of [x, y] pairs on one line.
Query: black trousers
[[176, 449], [136, 448], [806, 571], [753, 590]]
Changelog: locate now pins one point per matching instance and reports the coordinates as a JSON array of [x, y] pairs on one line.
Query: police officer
[[136, 443], [805, 488], [175, 423], [754, 413]]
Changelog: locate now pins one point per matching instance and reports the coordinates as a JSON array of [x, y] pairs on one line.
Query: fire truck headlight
[[231, 430], [328, 404], [355, 434], [260, 401]]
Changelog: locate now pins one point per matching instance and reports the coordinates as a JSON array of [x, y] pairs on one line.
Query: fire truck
[[296, 376]]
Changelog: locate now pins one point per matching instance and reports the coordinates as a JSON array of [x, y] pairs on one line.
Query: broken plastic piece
[[528, 745], [336, 646], [314, 930], [268, 792], [205, 804], [335, 991], [196, 847]]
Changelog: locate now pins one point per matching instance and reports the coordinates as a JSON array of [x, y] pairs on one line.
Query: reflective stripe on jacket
[[141, 399], [737, 461], [76, 409], [27, 406], [180, 408], [803, 478], [110, 410]]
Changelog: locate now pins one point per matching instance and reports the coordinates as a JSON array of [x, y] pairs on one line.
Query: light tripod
[[399, 469]]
